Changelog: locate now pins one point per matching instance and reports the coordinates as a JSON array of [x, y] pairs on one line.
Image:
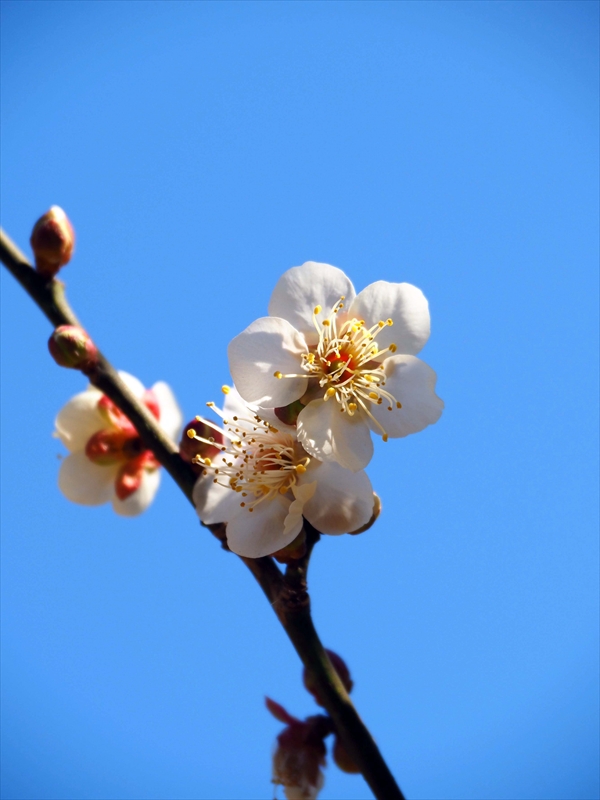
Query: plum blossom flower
[[263, 482], [107, 460], [348, 361], [299, 754]]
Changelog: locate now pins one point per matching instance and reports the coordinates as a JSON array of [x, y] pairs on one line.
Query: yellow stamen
[[392, 348], [300, 469], [277, 374], [373, 395], [191, 433], [390, 322], [398, 405], [317, 310], [225, 389], [330, 393], [352, 406]]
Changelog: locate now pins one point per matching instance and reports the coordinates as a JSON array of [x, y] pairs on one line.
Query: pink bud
[[340, 667], [107, 447], [52, 241], [130, 476], [342, 758], [71, 347], [190, 446]]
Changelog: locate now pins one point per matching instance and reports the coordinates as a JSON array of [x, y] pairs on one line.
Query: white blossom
[[349, 359], [107, 461], [263, 482]]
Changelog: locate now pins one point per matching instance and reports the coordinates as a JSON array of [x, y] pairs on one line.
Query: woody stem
[[286, 593]]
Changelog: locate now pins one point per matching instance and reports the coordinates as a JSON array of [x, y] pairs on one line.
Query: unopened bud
[[52, 241], [294, 550], [374, 516], [342, 758], [190, 447], [71, 347], [340, 667]]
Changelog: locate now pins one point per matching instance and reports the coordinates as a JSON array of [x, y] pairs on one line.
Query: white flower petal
[[412, 382], [267, 346], [141, 498], [235, 405], [86, 483], [331, 435], [214, 502], [300, 289], [79, 419], [343, 500], [134, 385], [302, 493], [171, 418], [261, 532], [406, 305]]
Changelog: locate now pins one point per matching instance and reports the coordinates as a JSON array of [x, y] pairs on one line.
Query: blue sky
[[201, 149]]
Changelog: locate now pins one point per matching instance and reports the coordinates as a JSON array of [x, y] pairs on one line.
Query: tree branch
[[286, 593]]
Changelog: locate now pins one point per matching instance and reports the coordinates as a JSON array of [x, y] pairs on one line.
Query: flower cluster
[[313, 380], [107, 460]]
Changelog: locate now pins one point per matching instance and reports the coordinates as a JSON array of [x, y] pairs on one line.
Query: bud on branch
[[52, 241], [71, 347]]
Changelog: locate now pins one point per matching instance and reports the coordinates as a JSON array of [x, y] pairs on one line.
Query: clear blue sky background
[[200, 150]]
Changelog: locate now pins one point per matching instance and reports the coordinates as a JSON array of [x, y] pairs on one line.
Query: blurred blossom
[[107, 460]]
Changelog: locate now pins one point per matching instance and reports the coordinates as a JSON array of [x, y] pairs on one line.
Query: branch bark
[[287, 594]]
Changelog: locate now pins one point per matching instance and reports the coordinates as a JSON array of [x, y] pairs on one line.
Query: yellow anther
[[250, 509], [374, 349], [352, 406], [225, 389], [210, 404], [373, 395], [326, 323], [340, 305], [198, 419], [343, 297], [390, 321], [310, 358], [317, 310], [381, 323], [385, 437], [329, 393], [283, 489], [191, 433], [393, 348], [398, 405], [379, 401], [277, 374], [300, 469]]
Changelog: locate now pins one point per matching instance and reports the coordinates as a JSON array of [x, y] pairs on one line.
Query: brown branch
[[286, 593]]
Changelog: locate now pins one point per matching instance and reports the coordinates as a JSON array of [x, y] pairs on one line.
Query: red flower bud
[[340, 667], [71, 347], [52, 241], [342, 758], [190, 447], [107, 446]]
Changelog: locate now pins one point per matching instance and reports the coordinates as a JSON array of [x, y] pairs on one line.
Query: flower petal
[[300, 289], [267, 346], [412, 382], [343, 500], [141, 498], [79, 419], [214, 502], [235, 405], [406, 305], [171, 418], [134, 385], [302, 493], [329, 434], [261, 532], [86, 483]]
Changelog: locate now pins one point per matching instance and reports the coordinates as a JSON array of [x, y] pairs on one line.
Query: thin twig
[[287, 593]]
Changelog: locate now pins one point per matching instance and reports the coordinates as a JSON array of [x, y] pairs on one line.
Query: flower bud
[[340, 667], [190, 447], [342, 758], [293, 551], [71, 347], [52, 241]]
